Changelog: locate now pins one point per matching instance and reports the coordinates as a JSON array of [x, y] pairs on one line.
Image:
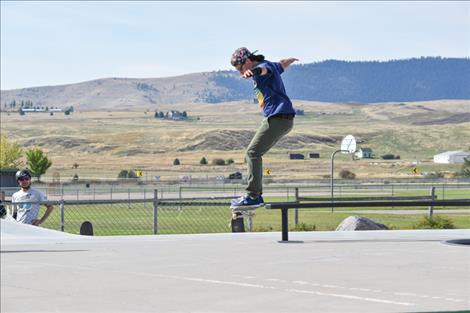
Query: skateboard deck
[[237, 223], [86, 229]]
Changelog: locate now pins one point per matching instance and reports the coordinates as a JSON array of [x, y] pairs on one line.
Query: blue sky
[[52, 42]]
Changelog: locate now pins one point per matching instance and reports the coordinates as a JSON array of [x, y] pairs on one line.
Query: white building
[[451, 157]]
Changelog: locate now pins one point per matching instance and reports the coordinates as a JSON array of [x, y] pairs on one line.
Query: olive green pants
[[268, 134]]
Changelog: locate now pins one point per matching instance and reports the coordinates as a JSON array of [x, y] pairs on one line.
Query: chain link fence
[[149, 213], [139, 216]]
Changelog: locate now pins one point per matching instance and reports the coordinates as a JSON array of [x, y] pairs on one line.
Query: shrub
[[230, 161], [347, 174], [304, 227], [263, 228], [122, 174], [436, 222], [203, 161], [176, 162], [465, 170], [131, 174], [218, 162], [127, 174]]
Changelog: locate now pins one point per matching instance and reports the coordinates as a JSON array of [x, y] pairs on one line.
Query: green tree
[[176, 162], [37, 162], [203, 161], [10, 153]]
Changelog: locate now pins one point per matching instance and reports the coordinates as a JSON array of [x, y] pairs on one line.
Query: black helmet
[[22, 173]]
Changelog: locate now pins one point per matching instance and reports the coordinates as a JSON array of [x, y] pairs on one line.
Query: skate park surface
[[364, 271]]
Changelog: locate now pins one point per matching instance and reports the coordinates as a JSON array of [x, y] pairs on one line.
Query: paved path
[[376, 271]]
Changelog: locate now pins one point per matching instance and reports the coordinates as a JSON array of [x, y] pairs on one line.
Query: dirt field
[[103, 143]]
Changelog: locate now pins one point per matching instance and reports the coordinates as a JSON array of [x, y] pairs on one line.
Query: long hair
[[256, 57]]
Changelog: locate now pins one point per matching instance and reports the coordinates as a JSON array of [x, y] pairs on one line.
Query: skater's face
[[24, 181], [242, 68]]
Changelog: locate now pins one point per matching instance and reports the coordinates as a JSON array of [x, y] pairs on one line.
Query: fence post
[[129, 198], [155, 211], [145, 197], [433, 197], [296, 210], [62, 216]]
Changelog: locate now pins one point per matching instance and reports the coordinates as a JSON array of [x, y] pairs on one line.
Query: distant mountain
[[417, 79], [401, 80]]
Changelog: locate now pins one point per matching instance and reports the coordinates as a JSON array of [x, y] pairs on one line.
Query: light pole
[[348, 146]]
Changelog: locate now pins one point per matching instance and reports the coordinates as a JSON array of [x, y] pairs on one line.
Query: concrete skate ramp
[[370, 271]]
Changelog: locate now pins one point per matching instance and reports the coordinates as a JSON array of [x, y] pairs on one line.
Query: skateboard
[[238, 215], [237, 223], [86, 229]]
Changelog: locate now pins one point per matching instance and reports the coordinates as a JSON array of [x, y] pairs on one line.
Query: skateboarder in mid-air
[[278, 117]]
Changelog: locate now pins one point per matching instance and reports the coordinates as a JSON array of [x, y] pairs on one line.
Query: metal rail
[[364, 198], [285, 206]]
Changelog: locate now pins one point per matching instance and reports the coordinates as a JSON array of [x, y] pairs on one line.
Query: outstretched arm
[[286, 62]]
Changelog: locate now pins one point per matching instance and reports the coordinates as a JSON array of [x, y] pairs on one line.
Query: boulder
[[359, 223]]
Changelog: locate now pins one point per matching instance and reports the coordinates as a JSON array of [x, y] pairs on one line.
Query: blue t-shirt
[[270, 91]]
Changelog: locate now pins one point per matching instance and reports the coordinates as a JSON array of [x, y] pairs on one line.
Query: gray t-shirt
[[27, 212]]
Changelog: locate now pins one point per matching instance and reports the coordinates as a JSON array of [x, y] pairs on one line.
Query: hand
[[247, 74], [36, 222], [286, 62]]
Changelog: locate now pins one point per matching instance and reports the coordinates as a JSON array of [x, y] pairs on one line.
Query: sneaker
[[246, 202]]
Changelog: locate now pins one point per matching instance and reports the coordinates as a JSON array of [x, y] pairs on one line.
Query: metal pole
[[433, 197], [332, 177], [285, 225], [296, 211], [155, 211]]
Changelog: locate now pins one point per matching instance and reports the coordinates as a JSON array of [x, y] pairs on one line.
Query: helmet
[[22, 173], [241, 55]]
